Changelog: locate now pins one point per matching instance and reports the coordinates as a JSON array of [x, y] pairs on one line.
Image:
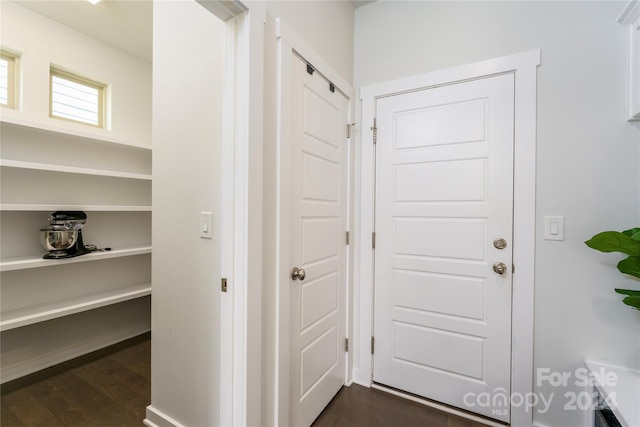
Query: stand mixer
[[63, 236]]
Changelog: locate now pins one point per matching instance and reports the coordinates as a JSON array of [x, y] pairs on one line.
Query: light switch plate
[[553, 227], [206, 225]]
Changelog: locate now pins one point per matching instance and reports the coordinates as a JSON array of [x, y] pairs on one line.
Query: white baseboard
[[9, 373], [156, 418], [362, 383]]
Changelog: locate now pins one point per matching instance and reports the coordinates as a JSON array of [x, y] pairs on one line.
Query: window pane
[[4, 81], [74, 100]]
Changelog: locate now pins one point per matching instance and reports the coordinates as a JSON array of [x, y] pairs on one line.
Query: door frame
[[524, 67], [289, 43], [241, 236]]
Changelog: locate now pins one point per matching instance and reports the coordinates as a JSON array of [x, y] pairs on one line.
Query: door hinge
[[332, 87], [347, 237], [346, 344], [223, 285], [373, 342], [513, 268], [374, 128], [373, 240], [350, 129], [310, 69]]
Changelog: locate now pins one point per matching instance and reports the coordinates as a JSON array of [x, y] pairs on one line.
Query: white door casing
[[444, 193], [524, 66]]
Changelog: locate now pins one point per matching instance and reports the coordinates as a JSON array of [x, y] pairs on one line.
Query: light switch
[[553, 228], [205, 225]]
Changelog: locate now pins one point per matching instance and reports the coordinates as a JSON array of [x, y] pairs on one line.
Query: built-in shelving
[[40, 313], [71, 169], [112, 176], [10, 122], [88, 208], [21, 263]]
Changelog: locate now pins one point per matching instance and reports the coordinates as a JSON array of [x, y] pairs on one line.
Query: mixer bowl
[[58, 240]]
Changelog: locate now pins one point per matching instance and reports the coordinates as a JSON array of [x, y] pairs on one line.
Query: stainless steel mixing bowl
[[58, 240]]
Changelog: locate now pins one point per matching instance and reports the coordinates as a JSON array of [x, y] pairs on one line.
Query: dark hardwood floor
[[358, 406], [112, 387]]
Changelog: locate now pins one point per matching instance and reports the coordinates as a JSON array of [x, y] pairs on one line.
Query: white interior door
[[444, 193], [318, 246]]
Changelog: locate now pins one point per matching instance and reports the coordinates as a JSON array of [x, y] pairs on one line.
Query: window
[[7, 79], [76, 98]]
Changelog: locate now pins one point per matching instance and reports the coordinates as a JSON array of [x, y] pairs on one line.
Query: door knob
[[499, 267], [298, 274]]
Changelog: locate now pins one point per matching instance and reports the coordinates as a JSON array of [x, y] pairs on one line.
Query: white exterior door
[[318, 228], [444, 194]]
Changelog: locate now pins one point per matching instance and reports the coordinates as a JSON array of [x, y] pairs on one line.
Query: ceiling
[[125, 24]]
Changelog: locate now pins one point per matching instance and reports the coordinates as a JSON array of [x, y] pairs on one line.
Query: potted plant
[[628, 243]]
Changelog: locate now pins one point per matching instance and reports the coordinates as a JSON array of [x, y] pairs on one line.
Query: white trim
[[630, 13], [156, 418], [238, 280], [224, 10], [251, 119], [283, 210], [630, 18], [524, 66], [227, 232], [240, 368], [288, 43]]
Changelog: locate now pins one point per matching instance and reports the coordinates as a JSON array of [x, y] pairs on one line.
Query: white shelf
[[40, 313], [23, 263], [48, 130], [71, 169], [622, 386], [28, 207]]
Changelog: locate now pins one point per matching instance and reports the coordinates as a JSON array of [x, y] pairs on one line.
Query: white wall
[[43, 42], [187, 130], [587, 155], [327, 25]]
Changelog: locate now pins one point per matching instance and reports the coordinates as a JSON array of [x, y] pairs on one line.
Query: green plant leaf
[[629, 292], [634, 233], [614, 241], [633, 302], [630, 265]]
